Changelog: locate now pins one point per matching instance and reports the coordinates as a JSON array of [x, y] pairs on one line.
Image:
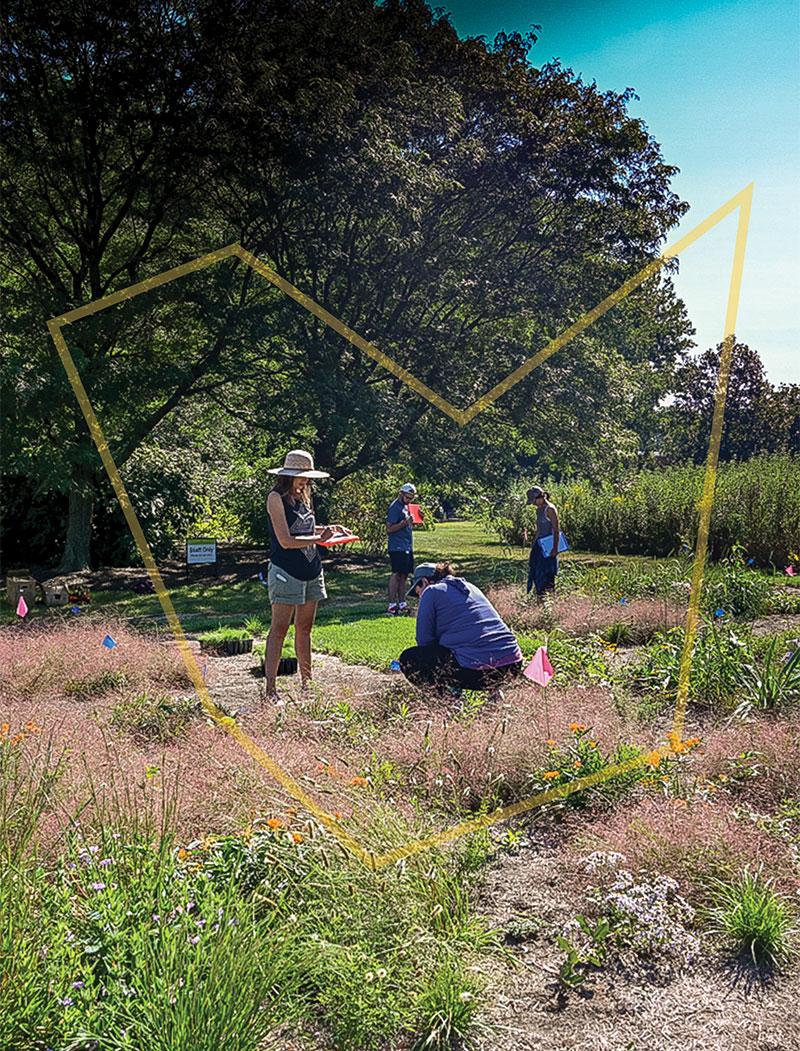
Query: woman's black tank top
[[302, 563]]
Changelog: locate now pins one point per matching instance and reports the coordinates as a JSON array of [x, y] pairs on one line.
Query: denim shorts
[[286, 589]]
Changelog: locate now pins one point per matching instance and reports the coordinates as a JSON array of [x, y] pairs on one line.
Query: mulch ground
[[716, 1008]]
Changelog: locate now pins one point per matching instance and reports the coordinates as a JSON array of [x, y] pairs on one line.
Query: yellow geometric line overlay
[[740, 202]]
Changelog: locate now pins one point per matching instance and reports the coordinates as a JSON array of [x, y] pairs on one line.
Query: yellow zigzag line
[[740, 201]]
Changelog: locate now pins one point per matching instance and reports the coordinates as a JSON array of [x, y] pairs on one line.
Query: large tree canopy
[[449, 200]]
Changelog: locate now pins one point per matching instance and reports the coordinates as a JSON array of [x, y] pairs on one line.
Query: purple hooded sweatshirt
[[456, 614]]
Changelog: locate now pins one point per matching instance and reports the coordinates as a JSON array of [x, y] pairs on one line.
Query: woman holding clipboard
[[296, 581], [543, 560]]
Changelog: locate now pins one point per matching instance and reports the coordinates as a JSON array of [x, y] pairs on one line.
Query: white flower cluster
[[650, 918], [601, 859], [649, 923]]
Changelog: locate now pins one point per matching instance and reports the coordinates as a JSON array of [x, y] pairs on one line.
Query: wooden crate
[[16, 586], [55, 594]]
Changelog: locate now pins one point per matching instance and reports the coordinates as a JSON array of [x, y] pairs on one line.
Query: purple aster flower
[[98, 886]]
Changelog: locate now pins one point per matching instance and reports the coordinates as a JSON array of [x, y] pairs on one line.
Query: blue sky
[[718, 86]]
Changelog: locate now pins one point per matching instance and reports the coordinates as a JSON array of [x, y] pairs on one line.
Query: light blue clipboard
[[546, 544]]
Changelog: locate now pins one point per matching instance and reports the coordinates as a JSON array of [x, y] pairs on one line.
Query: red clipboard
[[416, 514], [333, 542]]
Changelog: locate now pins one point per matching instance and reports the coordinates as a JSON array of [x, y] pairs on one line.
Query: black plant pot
[[287, 666], [234, 646]]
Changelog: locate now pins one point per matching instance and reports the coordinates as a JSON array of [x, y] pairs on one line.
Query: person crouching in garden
[[542, 568], [462, 642], [295, 580]]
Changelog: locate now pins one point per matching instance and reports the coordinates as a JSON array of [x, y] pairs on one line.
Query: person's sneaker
[[392, 610]]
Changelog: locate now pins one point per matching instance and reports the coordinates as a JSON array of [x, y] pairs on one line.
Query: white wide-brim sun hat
[[298, 464]]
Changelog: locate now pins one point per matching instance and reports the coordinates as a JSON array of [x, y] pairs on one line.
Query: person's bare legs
[[282, 613], [303, 623]]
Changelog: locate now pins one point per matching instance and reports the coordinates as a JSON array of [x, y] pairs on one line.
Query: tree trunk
[[79, 522]]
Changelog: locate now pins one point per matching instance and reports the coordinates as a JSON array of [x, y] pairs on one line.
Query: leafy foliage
[[756, 510]]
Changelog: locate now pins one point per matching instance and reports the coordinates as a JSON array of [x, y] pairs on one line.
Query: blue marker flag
[[751, 561], [75, 609], [109, 643], [719, 612], [623, 602], [394, 666]]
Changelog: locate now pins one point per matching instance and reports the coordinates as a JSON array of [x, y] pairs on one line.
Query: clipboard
[[416, 514], [334, 541], [546, 544]]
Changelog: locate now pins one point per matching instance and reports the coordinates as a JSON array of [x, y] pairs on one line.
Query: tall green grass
[[119, 938], [756, 506]]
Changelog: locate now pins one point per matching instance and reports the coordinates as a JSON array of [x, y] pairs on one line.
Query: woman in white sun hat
[[295, 580]]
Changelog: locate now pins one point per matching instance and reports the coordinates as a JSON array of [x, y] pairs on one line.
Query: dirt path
[[236, 684], [708, 1010], [777, 622]]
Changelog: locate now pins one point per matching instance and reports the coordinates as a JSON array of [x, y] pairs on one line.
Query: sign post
[[201, 552]]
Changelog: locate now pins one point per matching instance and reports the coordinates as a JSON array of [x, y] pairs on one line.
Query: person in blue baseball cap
[[462, 642]]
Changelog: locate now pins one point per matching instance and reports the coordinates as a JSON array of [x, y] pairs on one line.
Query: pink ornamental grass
[[38, 660], [690, 841]]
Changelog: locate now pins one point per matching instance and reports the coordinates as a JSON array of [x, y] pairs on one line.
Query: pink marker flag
[[540, 670], [22, 607], [790, 570]]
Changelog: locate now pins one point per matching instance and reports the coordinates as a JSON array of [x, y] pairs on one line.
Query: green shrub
[[756, 506], [729, 668], [736, 589], [716, 666], [360, 502], [771, 681], [95, 684]]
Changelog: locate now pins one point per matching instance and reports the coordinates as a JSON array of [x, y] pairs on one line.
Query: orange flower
[[593, 744], [551, 741], [359, 782], [183, 854], [17, 738], [577, 728], [274, 822], [548, 775], [337, 815], [654, 758], [32, 728], [577, 764], [5, 729], [297, 837]]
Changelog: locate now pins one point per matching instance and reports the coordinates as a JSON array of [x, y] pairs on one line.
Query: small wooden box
[[16, 586], [56, 594]]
